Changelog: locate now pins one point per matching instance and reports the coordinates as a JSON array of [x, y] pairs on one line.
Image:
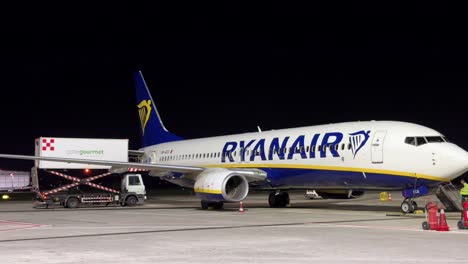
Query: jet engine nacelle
[[221, 185], [339, 194]]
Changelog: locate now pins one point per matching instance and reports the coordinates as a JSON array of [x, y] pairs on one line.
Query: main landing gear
[[278, 199], [408, 206], [215, 205]]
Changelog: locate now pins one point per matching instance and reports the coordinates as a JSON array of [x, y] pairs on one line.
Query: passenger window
[[349, 146], [342, 146], [420, 141]]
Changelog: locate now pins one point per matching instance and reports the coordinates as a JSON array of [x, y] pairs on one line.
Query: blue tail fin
[[152, 128]]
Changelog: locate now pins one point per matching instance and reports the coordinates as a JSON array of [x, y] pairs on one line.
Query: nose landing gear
[[408, 206]]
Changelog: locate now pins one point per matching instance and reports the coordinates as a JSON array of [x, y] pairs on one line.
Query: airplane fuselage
[[351, 155]]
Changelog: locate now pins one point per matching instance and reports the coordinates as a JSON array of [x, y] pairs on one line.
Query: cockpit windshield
[[418, 141], [434, 139]]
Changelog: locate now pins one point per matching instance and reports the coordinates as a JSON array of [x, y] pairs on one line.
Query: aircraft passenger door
[[377, 146], [154, 157]]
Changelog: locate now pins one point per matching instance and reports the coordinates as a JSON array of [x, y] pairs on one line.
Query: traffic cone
[[241, 208], [442, 221], [389, 197]]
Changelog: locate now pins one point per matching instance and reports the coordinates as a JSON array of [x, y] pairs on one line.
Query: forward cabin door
[[377, 146]]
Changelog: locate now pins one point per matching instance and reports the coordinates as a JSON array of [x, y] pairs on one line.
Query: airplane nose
[[457, 162]]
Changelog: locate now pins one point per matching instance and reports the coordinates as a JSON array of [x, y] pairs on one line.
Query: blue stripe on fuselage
[[316, 178]]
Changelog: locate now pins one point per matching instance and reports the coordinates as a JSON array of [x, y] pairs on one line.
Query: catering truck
[[73, 184]]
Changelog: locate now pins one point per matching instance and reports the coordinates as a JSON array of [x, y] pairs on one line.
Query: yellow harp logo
[[144, 110]]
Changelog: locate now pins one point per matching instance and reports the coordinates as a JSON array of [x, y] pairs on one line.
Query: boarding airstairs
[[449, 196]]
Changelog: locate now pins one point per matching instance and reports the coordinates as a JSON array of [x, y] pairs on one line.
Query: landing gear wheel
[[72, 202], [204, 205], [218, 205], [272, 199], [415, 205], [284, 201], [131, 201], [461, 224], [407, 207], [278, 199]]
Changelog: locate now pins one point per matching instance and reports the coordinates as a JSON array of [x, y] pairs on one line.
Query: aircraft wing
[[115, 164], [119, 166]]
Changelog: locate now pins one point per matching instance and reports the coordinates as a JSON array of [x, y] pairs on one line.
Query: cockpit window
[[417, 141], [410, 140], [434, 139], [420, 141]]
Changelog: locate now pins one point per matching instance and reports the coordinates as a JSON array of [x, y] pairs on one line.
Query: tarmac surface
[[173, 229]]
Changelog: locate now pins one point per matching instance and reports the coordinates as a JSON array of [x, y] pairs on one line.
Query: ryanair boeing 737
[[337, 160]]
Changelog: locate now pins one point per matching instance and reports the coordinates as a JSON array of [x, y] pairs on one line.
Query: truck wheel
[[131, 201], [72, 202], [461, 225]]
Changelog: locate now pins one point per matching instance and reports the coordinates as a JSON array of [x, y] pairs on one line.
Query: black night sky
[[221, 70]]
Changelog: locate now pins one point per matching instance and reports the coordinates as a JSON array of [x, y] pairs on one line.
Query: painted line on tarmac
[[13, 225], [19, 228], [8, 222]]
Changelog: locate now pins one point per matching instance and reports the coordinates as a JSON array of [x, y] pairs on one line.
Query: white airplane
[[339, 160]]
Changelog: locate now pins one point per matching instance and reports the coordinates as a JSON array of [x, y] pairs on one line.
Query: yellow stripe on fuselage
[[332, 168]]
